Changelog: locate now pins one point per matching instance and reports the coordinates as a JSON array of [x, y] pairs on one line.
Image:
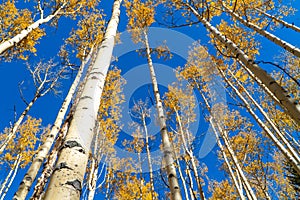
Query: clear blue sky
[[46, 108]]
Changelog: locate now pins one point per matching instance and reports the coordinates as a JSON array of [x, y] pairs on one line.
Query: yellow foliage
[[14, 21]]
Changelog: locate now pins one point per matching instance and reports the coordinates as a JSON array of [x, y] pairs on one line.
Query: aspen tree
[[46, 78], [21, 32], [73, 156], [141, 16], [22, 148], [286, 102]]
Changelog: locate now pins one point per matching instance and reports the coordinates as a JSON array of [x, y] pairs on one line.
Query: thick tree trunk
[[286, 102], [66, 181], [43, 151], [4, 46], [276, 19], [287, 46], [167, 149]]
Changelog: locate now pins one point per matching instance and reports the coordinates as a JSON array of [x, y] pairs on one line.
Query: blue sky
[[46, 108]]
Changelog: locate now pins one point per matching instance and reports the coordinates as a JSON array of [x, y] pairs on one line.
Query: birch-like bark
[[12, 178], [148, 157], [250, 193], [288, 145], [286, 153], [231, 173], [287, 46], [167, 149], [4, 46], [9, 175], [66, 181], [190, 154], [276, 19], [43, 151], [286, 102]]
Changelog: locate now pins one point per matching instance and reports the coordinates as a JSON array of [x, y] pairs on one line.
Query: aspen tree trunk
[[277, 131], [287, 46], [8, 177], [167, 149], [276, 19], [286, 153], [12, 178], [39, 188], [231, 173], [286, 102], [4, 46], [66, 181], [190, 154], [223, 134], [43, 151], [148, 157]]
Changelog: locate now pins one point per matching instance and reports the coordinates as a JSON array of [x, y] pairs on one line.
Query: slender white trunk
[[287, 46], [4, 46], [149, 157], [190, 154], [66, 181], [286, 153], [231, 173], [276, 19], [286, 102], [12, 178], [276, 130], [167, 149], [223, 134], [8, 177], [43, 151]]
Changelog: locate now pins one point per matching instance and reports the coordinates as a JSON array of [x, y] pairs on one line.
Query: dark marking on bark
[[86, 97], [94, 77], [171, 176], [72, 144], [28, 178], [62, 165], [76, 184], [39, 160], [272, 82], [84, 108], [176, 187]]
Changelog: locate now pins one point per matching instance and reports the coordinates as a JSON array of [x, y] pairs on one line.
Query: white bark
[[250, 193], [66, 181], [4, 46], [287, 46], [43, 151], [276, 19], [148, 157], [274, 127], [167, 149], [286, 153], [12, 178], [286, 102]]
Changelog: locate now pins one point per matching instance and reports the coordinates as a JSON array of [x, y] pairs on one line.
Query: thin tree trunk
[[223, 134], [286, 153], [276, 19], [43, 151], [50, 164], [277, 131], [66, 181], [286, 102], [167, 149], [4, 46], [287, 46], [12, 178], [149, 158], [231, 173], [191, 156]]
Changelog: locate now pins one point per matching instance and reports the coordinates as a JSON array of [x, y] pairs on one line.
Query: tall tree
[[74, 153]]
